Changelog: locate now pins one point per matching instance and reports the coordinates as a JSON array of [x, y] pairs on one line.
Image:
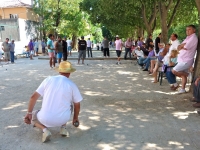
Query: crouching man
[[59, 93]]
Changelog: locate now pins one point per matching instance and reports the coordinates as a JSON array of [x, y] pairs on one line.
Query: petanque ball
[[76, 124]]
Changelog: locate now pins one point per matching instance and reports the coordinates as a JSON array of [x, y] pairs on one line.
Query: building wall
[[28, 30], [22, 12], [11, 29]]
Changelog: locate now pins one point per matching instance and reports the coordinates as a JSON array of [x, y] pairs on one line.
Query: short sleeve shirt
[[58, 94], [6, 46], [118, 44], [82, 45], [50, 43]]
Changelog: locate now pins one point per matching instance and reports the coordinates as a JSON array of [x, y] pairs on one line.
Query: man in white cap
[[118, 45], [58, 94]]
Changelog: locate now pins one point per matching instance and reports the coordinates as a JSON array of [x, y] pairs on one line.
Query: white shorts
[[182, 66]]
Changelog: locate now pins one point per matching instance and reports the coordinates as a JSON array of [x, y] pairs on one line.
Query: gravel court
[[121, 109]]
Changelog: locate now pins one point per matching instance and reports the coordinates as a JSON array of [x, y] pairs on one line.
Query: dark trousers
[[89, 50], [127, 50], [196, 91], [106, 52], [64, 56], [12, 57]]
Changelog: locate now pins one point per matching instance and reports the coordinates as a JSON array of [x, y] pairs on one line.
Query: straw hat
[[65, 67], [117, 36]]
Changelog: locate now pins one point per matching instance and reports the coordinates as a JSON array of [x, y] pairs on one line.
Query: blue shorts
[[59, 55], [69, 48]]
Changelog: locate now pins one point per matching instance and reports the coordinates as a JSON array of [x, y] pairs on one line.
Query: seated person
[[160, 57], [170, 76], [160, 61], [148, 59], [196, 92], [145, 51], [26, 51], [138, 52]]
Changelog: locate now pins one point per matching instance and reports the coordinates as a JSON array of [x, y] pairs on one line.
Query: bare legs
[[183, 76], [51, 62]]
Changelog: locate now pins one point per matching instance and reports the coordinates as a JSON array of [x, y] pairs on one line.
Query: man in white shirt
[[174, 45], [58, 94], [69, 46], [89, 49]]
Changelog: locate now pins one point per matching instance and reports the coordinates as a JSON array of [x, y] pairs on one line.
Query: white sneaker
[[181, 91], [64, 132], [46, 136]]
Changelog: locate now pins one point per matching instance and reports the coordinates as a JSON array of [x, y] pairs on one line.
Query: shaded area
[[122, 109]]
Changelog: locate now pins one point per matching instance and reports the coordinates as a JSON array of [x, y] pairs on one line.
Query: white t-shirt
[[69, 42], [174, 46], [139, 53], [35, 44], [89, 43], [58, 94]]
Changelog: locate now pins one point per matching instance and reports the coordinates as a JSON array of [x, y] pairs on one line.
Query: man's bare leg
[[50, 62], [46, 133]]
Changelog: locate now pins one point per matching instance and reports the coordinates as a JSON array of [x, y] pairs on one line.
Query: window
[[13, 16], [2, 28]]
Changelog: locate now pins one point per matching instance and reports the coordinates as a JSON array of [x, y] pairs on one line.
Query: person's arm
[[31, 105], [56, 46], [181, 46], [197, 81], [76, 112], [2, 47]]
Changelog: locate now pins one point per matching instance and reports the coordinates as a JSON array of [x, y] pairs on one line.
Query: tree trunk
[[140, 32], [197, 61], [163, 22], [74, 42]]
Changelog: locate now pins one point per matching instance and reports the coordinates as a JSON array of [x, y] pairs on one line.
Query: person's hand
[[196, 81], [28, 118], [191, 69]]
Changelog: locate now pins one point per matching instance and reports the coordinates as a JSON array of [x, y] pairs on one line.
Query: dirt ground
[[121, 110]]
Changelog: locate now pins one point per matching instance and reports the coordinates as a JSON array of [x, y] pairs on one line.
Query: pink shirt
[[187, 56], [118, 44]]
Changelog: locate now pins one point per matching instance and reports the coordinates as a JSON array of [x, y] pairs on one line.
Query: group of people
[[175, 59], [8, 50]]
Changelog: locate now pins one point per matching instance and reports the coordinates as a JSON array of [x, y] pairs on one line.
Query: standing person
[[157, 43], [140, 42], [69, 48], [118, 45], [82, 49], [128, 45], [59, 94], [64, 42], [89, 49], [31, 49], [36, 47], [59, 49], [149, 42], [12, 51], [51, 50], [106, 47], [6, 48], [185, 60], [43, 44]]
